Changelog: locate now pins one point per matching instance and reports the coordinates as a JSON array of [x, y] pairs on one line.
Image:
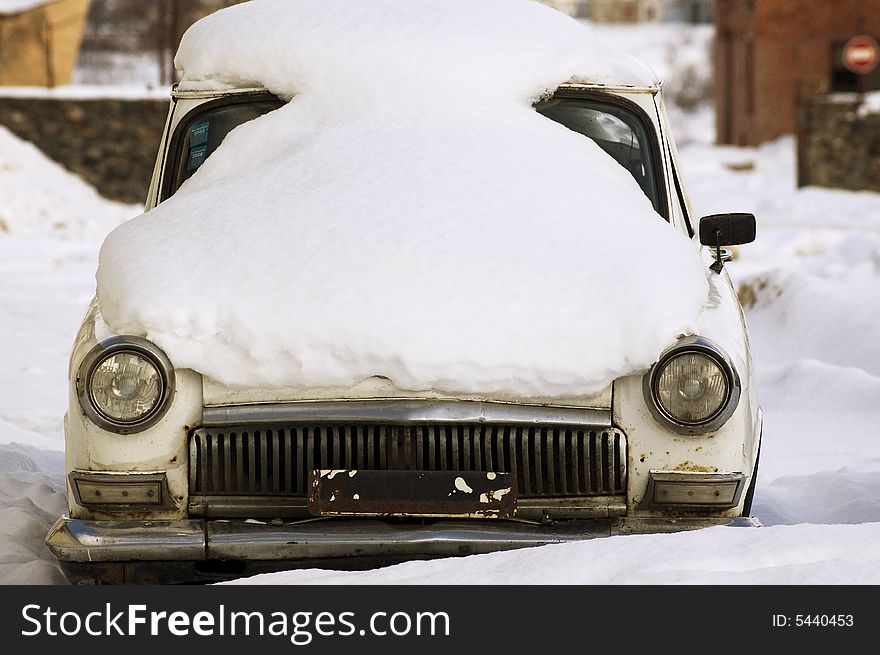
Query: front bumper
[[182, 551]]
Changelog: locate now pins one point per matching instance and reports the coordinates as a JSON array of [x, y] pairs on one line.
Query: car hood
[[408, 217]]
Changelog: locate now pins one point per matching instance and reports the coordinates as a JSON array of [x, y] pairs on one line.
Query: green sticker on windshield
[[198, 134], [196, 157], [198, 145]]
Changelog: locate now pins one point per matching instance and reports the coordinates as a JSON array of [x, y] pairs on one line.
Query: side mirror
[[727, 229], [720, 230]]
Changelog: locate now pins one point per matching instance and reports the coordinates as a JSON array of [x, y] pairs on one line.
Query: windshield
[[617, 129], [203, 130]]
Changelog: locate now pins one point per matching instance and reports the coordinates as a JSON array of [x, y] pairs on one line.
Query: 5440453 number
[[823, 620]]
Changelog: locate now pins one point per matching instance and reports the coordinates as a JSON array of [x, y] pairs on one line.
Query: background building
[[39, 40], [771, 54], [135, 34]]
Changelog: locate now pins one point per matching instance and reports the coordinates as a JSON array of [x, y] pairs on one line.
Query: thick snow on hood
[[407, 214]]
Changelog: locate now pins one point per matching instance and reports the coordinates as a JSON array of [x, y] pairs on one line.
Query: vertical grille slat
[[453, 455], [321, 460], [601, 464], [562, 457], [369, 459], [479, 433], [286, 460], [620, 453], [201, 463], [549, 461], [442, 462], [421, 440], [591, 463], [467, 436], [525, 485], [345, 434], [608, 460], [335, 438], [511, 435], [263, 456], [539, 458], [299, 482], [488, 431], [550, 437], [309, 463], [250, 474]]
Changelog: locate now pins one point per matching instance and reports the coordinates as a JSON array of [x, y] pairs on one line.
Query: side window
[[203, 130], [618, 131]]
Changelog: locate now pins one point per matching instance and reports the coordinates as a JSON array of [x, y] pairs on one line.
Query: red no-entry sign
[[861, 54]]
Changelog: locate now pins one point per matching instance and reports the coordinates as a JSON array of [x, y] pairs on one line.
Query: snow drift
[[407, 214], [39, 197]]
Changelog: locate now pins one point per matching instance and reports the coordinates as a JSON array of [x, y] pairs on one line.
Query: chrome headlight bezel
[[702, 346], [108, 348]]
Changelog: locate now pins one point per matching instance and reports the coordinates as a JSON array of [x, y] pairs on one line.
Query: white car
[[174, 476]]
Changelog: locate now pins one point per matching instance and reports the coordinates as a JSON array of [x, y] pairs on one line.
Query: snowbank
[[32, 497], [40, 197], [407, 214], [803, 554], [870, 104]]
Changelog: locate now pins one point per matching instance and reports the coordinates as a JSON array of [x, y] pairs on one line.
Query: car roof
[[627, 74], [215, 91]]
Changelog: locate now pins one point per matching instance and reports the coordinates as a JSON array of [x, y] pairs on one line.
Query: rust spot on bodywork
[[695, 468]]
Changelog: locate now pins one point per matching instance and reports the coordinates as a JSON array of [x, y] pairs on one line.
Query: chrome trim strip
[[340, 539], [622, 88], [108, 541], [571, 508], [402, 412], [270, 507], [671, 525], [73, 540], [229, 506], [198, 94]]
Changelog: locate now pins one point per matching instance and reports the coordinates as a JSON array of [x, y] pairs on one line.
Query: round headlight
[[693, 387], [124, 384], [125, 387]]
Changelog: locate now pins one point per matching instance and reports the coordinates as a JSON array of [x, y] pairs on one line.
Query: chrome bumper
[[73, 540]]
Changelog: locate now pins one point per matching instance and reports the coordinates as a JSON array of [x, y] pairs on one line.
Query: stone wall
[[109, 142], [839, 143]]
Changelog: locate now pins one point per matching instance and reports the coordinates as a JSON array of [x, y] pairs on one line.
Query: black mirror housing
[[727, 229]]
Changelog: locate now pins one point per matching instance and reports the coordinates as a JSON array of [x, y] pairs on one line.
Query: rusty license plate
[[460, 494]]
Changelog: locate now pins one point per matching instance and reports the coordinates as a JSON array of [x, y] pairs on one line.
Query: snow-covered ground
[[809, 284]]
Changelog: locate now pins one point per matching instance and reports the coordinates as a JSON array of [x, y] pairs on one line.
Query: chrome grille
[[549, 461]]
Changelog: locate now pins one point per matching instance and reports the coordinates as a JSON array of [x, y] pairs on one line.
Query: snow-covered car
[[551, 351]]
